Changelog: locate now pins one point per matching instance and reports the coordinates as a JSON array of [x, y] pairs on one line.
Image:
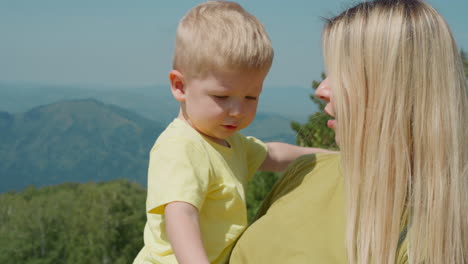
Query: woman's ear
[[177, 85]]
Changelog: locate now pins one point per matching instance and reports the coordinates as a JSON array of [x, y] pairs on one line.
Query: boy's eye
[[251, 98], [220, 96]]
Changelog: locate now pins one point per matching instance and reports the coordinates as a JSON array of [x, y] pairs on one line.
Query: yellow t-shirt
[[185, 166], [302, 220], [304, 217]]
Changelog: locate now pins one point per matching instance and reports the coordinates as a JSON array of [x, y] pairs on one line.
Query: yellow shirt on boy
[[185, 166]]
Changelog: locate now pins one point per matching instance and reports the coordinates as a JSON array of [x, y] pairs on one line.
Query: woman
[[397, 91]]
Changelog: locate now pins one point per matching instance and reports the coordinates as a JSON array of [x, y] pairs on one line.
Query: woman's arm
[[183, 231]]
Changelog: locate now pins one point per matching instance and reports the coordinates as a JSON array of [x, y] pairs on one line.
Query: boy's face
[[221, 103]]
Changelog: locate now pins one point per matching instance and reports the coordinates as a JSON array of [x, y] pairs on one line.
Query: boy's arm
[[183, 231], [279, 155]]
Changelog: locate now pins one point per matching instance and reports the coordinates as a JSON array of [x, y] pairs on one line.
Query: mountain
[[74, 141], [153, 102], [271, 127], [86, 140]]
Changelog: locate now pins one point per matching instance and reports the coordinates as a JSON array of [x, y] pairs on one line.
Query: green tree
[[73, 223], [465, 62], [315, 132], [257, 189]]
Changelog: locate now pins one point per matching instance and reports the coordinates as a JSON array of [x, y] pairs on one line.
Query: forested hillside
[[73, 223], [77, 141]]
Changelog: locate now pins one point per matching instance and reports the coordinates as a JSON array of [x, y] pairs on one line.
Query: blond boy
[[200, 165]]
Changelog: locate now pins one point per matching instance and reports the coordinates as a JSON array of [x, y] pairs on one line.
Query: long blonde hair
[[402, 112]]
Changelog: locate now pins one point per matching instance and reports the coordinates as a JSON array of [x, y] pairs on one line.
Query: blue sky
[[130, 43]]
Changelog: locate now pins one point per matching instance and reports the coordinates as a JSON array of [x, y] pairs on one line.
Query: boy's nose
[[235, 108], [323, 90]]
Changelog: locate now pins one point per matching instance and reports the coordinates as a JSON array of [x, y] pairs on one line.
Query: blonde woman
[[398, 191]]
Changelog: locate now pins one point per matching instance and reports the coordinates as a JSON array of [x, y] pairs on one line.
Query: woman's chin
[[332, 125]]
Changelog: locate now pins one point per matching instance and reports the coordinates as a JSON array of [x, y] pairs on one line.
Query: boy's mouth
[[230, 127]]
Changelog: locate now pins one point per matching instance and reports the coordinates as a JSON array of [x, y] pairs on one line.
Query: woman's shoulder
[[305, 212], [309, 162], [307, 168], [310, 166]]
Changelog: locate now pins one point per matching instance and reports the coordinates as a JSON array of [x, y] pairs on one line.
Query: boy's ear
[[177, 85]]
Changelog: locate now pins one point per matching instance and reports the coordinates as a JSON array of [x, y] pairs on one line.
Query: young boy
[[199, 166]]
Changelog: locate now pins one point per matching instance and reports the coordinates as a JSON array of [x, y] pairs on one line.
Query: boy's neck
[[218, 141]]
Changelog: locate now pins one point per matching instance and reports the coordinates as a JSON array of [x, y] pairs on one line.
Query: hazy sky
[[121, 42]]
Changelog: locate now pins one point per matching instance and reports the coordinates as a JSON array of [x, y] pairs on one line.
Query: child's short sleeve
[[178, 171], [256, 151]]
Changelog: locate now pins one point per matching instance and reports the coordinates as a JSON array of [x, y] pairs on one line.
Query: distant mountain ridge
[[153, 102], [86, 140], [77, 141]]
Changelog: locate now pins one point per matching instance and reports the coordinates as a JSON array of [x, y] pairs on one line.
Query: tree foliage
[[73, 223], [465, 62], [257, 189], [315, 132]]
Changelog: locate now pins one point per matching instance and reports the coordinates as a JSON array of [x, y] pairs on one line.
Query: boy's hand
[[183, 231], [281, 154]]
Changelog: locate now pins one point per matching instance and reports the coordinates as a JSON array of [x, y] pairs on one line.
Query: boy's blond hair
[[220, 35]]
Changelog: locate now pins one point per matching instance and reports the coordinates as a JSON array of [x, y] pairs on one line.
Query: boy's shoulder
[[178, 133], [179, 130]]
